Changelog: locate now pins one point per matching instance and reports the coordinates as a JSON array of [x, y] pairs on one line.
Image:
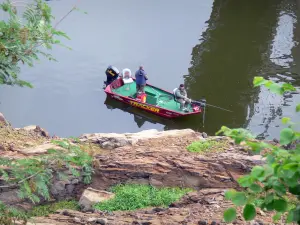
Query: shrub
[[134, 196], [274, 186]]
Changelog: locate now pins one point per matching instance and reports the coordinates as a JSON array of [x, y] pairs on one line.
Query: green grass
[[205, 146], [45, 210], [135, 196], [8, 214]]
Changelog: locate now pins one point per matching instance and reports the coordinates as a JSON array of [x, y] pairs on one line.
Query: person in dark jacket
[[141, 79]]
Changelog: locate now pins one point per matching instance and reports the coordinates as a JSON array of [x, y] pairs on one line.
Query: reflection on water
[[281, 67], [235, 48], [141, 117]]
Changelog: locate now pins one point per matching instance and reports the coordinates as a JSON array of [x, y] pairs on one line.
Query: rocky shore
[[150, 157]]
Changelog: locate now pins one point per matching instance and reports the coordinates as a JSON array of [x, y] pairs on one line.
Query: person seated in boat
[[140, 79], [126, 76], [181, 96]]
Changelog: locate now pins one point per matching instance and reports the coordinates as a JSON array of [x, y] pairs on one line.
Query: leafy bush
[[21, 42], [274, 185], [32, 176], [134, 196]]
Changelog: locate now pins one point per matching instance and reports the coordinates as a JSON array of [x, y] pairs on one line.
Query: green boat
[[155, 100]]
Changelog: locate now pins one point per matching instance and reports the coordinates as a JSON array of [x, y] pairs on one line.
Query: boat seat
[[126, 76]]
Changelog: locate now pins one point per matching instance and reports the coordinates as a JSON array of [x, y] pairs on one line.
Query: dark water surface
[[214, 47]]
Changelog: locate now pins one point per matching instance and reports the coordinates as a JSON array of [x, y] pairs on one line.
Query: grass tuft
[[45, 210], [206, 146], [136, 196]]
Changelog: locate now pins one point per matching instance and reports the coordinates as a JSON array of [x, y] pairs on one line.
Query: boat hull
[[163, 112]]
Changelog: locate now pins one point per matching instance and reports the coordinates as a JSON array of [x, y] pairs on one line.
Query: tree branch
[[51, 34]]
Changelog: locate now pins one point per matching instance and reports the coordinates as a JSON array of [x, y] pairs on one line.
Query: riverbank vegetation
[[32, 176], [136, 196], [12, 215], [45, 210], [22, 38], [205, 146], [274, 185]]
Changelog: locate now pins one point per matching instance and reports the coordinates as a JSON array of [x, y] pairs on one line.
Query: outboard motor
[[112, 73]]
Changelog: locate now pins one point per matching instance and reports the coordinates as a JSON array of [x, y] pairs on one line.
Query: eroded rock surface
[[114, 140], [165, 161]]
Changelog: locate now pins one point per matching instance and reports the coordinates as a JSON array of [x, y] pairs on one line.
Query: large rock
[[37, 129], [91, 196], [165, 161], [114, 140]]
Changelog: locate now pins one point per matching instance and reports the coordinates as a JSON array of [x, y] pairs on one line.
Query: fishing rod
[[202, 103], [203, 117], [219, 108]]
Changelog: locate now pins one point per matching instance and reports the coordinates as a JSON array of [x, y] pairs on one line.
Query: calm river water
[[215, 47]]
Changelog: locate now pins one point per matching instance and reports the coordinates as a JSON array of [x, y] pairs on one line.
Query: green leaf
[[291, 181], [249, 212], [245, 181], [275, 88], [295, 190], [229, 194], [291, 166], [256, 146], [286, 136], [280, 205], [277, 216], [268, 206], [288, 87], [285, 120], [270, 159], [296, 214], [257, 81], [255, 188], [269, 198], [257, 171], [279, 188], [289, 218], [298, 108], [239, 199], [229, 215]]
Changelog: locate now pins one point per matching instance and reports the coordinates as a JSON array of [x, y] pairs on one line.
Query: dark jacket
[[141, 77]]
